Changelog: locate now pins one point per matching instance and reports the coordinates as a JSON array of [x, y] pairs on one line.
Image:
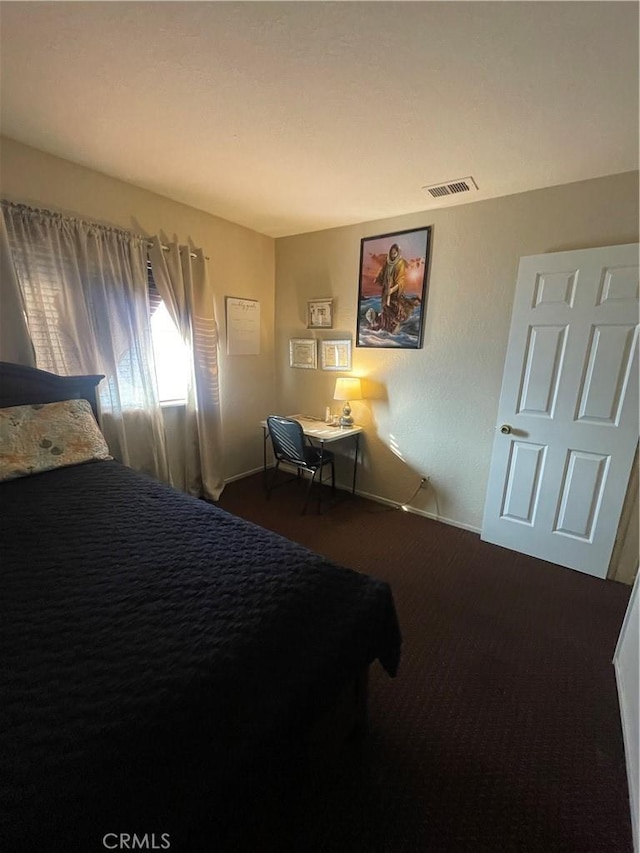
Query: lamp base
[[346, 420]]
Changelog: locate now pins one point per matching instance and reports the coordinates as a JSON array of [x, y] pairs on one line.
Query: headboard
[[21, 385]]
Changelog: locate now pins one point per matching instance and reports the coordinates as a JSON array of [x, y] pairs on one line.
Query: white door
[[568, 417]]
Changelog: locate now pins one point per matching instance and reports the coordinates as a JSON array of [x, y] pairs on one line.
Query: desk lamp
[[348, 388]]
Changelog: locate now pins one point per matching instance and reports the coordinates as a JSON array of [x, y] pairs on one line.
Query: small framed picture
[[320, 314], [303, 352], [335, 355]]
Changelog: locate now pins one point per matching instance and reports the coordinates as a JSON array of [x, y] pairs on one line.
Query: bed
[[168, 668]]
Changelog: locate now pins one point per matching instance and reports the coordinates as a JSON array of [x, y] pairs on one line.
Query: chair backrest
[[287, 437]]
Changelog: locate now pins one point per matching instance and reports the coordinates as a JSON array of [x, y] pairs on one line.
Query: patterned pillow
[[40, 437]]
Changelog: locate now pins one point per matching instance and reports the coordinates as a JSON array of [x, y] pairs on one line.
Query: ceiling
[[299, 116]]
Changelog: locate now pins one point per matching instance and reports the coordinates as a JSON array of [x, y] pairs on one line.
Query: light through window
[[171, 356]]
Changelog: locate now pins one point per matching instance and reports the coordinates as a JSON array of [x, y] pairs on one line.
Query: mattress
[[162, 660]]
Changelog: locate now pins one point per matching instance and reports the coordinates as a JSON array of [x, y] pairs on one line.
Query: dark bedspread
[[162, 660]]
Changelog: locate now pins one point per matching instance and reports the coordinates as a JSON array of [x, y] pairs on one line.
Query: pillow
[[43, 436]]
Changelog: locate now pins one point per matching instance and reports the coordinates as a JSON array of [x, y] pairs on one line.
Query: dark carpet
[[502, 730]]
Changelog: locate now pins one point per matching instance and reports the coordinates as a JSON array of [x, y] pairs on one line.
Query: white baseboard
[[424, 513], [377, 499], [244, 474]]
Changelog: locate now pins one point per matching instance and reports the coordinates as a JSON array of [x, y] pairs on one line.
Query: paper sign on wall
[[243, 326]]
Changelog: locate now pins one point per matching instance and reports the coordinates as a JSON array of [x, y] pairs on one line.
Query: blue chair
[[290, 445]]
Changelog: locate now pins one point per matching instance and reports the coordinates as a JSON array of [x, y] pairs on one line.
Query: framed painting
[[303, 352], [392, 289], [320, 314], [335, 355]]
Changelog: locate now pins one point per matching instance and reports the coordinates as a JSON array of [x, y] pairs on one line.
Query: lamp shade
[[348, 388]]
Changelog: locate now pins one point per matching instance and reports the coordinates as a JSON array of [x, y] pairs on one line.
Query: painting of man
[[392, 289]]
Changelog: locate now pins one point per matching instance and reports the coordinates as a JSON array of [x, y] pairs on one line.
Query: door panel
[[555, 288], [581, 494], [619, 284], [609, 359], [542, 370], [524, 472], [570, 399]]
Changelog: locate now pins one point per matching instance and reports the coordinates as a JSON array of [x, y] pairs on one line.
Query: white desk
[[318, 431]]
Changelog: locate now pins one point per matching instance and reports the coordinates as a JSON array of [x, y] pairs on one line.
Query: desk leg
[[355, 464], [321, 472], [265, 435]]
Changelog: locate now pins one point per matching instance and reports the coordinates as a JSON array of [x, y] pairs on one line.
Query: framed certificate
[[335, 355], [320, 314], [303, 352]]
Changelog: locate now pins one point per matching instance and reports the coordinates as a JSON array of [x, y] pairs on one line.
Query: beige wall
[[428, 412], [241, 264], [432, 411]]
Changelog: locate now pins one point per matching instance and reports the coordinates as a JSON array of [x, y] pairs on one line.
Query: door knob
[[505, 429]]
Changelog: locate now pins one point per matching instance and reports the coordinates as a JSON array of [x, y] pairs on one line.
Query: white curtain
[[180, 274], [15, 344], [85, 294]]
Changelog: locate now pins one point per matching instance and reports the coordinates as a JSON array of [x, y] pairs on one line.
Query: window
[[55, 325], [170, 353], [40, 277], [171, 356]]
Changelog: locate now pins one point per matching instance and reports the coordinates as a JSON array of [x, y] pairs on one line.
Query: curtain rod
[[60, 216], [168, 249]]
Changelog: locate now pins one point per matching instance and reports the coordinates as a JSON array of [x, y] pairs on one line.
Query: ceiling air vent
[[460, 185]]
